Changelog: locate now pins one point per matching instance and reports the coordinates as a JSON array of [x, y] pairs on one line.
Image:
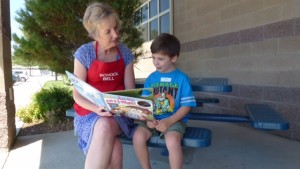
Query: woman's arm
[[129, 80], [81, 73]]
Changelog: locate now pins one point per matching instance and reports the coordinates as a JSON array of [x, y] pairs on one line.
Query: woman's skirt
[[84, 126]]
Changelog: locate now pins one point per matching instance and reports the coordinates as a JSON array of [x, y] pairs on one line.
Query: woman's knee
[[107, 126]]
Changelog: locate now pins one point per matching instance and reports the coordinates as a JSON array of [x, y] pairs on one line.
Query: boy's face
[[163, 63]]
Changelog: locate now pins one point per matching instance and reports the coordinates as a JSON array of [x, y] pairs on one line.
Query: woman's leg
[[140, 137], [173, 141], [116, 161], [102, 144]]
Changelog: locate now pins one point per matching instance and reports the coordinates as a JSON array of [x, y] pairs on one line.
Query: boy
[[173, 99]]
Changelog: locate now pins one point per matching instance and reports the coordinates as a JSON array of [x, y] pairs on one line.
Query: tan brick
[[270, 3], [241, 23], [249, 6], [210, 18], [265, 16], [288, 10], [212, 6], [203, 32], [192, 4], [289, 78], [222, 52], [230, 12], [243, 50], [281, 63], [297, 10], [268, 47], [289, 45]]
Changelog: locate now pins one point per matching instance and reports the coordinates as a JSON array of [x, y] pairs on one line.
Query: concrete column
[[7, 107]]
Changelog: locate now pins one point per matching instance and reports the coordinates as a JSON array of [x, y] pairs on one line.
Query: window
[[154, 17], [153, 8], [153, 29], [144, 13]]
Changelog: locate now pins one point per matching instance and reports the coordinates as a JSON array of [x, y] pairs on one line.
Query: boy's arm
[[163, 124]]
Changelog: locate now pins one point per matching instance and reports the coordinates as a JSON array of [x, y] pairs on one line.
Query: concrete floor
[[233, 147]]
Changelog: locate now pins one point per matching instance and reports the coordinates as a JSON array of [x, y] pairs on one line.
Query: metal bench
[[260, 116], [194, 137]]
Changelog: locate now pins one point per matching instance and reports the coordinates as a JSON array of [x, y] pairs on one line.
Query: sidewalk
[[233, 147]]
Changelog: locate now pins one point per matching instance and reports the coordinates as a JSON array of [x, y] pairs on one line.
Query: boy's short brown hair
[[166, 44]]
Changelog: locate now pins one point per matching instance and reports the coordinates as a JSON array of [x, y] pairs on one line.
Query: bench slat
[[218, 117], [264, 117]]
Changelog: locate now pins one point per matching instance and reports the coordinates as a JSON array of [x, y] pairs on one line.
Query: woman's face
[[108, 33]]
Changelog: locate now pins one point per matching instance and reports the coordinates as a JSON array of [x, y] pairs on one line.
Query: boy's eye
[[157, 58]]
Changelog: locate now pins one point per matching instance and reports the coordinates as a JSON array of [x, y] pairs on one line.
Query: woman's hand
[[100, 110]]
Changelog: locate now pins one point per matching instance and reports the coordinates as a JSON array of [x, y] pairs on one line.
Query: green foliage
[[54, 102], [53, 30], [66, 80], [49, 104], [58, 83], [30, 113]]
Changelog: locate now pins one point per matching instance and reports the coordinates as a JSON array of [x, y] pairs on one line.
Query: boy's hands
[[160, 125], [152, 124], [163, 124]]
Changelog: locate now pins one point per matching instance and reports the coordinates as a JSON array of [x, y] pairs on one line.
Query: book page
[[86, 90]]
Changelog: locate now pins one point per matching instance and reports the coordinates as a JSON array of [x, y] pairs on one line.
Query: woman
[[108, 66]]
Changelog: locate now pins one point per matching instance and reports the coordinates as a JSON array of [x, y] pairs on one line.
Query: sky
[[15, 5]]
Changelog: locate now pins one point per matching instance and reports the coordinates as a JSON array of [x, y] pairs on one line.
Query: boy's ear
[[174, 58]]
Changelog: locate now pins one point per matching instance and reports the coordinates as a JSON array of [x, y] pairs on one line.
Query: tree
[[53, 30]]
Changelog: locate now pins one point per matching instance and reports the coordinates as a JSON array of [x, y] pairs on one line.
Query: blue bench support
[[194, 137]]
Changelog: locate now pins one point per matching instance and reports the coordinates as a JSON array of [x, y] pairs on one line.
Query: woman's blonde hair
[[94, 14]]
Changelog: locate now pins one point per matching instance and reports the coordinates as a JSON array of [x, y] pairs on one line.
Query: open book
[[129, 103]]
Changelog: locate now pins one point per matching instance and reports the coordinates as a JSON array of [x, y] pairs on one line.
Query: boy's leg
[[140, 138], [173, 137], [173, 141]]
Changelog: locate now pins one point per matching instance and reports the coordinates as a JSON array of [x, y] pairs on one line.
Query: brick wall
[[255, 43]]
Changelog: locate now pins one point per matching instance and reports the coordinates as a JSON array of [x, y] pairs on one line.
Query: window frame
[[158, 17]]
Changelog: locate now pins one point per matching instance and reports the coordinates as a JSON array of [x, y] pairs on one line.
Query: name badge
[[165, 79]]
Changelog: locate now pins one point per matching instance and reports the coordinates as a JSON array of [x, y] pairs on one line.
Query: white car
[[23, 75]]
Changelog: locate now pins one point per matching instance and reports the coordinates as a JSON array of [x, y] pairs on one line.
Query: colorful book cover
[[132, 103]]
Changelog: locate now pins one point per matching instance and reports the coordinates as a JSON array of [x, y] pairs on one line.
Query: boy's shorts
[[178, 127]]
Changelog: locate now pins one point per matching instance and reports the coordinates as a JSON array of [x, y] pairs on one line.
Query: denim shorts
[[178, 127]]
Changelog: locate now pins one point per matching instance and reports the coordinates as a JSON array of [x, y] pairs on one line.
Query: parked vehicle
[[15, 77], [23, 75]]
